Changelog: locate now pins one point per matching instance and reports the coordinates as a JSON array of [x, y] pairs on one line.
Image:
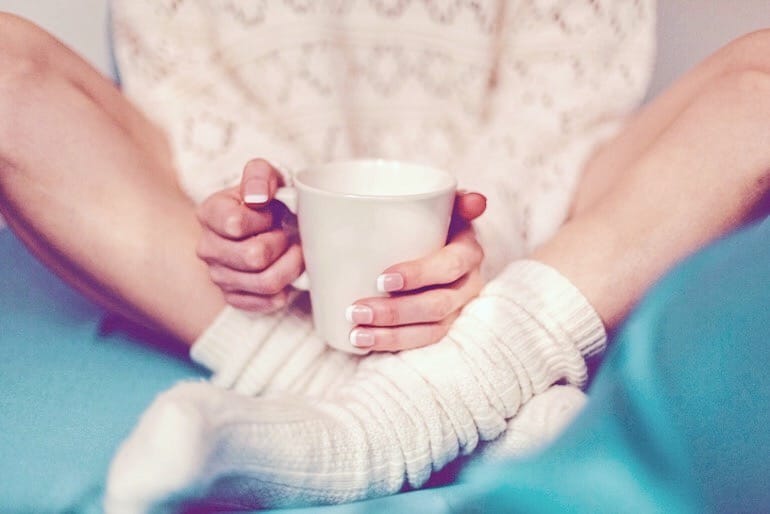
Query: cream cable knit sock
[[538, 422], [399, 418], [256, 354]]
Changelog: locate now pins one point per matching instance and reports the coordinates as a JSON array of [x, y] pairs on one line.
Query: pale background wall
[[688, 29]]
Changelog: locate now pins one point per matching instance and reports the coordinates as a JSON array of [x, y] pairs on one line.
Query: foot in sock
[[539, 422], [203, 444], [395, 421]]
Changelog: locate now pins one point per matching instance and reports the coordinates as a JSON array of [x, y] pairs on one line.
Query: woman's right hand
[[250, 257]]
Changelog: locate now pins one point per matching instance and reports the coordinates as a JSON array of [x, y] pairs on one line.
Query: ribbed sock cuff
[[255, 353], [230, 341], [547, 294]]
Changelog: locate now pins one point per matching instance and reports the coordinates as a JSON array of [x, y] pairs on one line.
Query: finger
[[253, 254], [470, 205], [268, 282], [257, 303], [459, 257], [426, 307], [467, 207], [399, 338], [224, 213], [258, 183]]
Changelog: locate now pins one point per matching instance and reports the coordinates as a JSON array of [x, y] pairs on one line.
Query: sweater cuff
[[558, 303]]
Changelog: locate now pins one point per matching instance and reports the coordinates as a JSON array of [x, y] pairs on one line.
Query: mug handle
[[288, 197]]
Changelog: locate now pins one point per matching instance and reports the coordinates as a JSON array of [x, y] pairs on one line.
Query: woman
[[512, 97]]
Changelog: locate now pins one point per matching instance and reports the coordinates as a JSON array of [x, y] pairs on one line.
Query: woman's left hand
[[426, 295]]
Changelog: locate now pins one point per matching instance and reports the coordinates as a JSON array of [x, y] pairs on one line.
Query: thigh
[[746, 54]]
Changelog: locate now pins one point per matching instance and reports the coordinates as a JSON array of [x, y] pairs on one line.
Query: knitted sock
[[255, 354], [397, 419], [538, 422]]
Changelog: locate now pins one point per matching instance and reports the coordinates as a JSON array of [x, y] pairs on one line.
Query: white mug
[[356, 218]]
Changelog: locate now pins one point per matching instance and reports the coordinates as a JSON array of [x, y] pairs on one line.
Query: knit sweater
[[510, 96]]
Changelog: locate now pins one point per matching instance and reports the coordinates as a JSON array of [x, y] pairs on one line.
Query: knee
[[738, 98], [744, 65], [742, 78], [750, 52], [737, 104], [747, 88], [25, 51]]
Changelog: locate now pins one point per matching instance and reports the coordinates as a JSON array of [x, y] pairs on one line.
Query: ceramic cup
[[356, 218]]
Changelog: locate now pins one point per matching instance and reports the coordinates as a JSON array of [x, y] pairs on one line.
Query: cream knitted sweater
[[510, 95]]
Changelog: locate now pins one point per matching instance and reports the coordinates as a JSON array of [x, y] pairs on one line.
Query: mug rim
[[451, 185]]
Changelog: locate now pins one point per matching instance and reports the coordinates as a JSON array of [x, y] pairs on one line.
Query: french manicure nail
[[388, 282], [254, 199], [361, 338], [255, 190], [359, 314]]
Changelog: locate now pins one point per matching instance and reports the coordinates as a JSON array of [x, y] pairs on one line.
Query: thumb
[[258, 183]]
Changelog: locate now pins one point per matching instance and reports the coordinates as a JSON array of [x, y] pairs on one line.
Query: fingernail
[[359, 314], [361, 338], [388, 282], [255, 190]]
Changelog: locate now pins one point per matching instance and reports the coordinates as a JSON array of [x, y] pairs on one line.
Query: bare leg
[[87, 183], [747, 53], [690, 167]]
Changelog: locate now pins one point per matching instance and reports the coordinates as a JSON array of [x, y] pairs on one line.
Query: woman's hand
[[426, 294], [249, 256]]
